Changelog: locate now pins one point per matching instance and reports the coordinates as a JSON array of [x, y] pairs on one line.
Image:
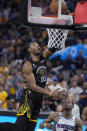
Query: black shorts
[[30, 104], [24, 124]]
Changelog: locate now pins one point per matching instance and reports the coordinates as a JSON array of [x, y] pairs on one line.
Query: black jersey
[[31, 101], [40, 72]]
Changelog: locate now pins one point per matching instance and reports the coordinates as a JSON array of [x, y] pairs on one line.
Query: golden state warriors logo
[[42, 72]]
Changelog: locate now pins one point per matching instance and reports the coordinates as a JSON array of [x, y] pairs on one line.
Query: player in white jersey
[[63, 121]]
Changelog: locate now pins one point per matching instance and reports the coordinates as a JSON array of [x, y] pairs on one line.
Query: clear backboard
[[48, 13], [51, 14]]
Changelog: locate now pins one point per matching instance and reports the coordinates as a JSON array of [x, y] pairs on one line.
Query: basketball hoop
[[57, 38]]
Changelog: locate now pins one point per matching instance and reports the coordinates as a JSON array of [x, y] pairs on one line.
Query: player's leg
[[20, 123], [30, 125]]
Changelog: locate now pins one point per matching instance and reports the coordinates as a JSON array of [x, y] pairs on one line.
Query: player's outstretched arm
[[28, 73], [47, 122], [78, 125], [48, 52]]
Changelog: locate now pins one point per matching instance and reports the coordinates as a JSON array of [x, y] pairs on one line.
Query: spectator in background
[[3, 96], [49, 66], [60, 77], [21, 84], [79, 60], [10, 89], [75, 90], [18, 53], [85, 74], [81, 80], [18, 75], [11, 103], [76, 109], [76, 77], [46, 105], [54, 86], [19, 67], [67, 63], [51, 75], [59, 108], [3, 66], [85, 58], [70, 39], [73, 77], [5, 75], [83, 96], [64, 85], [17, 104]]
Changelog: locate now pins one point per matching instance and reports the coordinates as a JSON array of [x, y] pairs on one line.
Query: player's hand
[[41, 125], [59, 94], [55, 94], [46, 53], [49, 125], [62, 94]]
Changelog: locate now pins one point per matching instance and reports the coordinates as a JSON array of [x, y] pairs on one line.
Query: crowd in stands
[[69, 74]]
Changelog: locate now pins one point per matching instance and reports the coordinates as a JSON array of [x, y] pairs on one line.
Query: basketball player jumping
[[63, 121], [35, 74]]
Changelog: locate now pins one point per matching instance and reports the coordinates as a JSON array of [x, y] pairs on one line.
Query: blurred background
[[68, 72]]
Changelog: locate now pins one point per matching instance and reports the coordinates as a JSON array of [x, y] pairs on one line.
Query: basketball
[[54, 7]]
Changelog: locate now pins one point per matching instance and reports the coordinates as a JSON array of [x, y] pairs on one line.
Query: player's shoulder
[[27, 66]]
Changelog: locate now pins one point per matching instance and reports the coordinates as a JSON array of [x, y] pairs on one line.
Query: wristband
[[50, 94], [45, 124]]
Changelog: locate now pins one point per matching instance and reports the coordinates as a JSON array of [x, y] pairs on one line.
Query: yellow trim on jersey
[[25, 107], [28, 117], [19, 114], [32, 120]]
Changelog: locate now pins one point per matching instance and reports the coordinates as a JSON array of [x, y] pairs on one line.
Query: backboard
[[39, 13]]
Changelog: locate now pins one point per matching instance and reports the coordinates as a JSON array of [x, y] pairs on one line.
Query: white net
[[57, 38]]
